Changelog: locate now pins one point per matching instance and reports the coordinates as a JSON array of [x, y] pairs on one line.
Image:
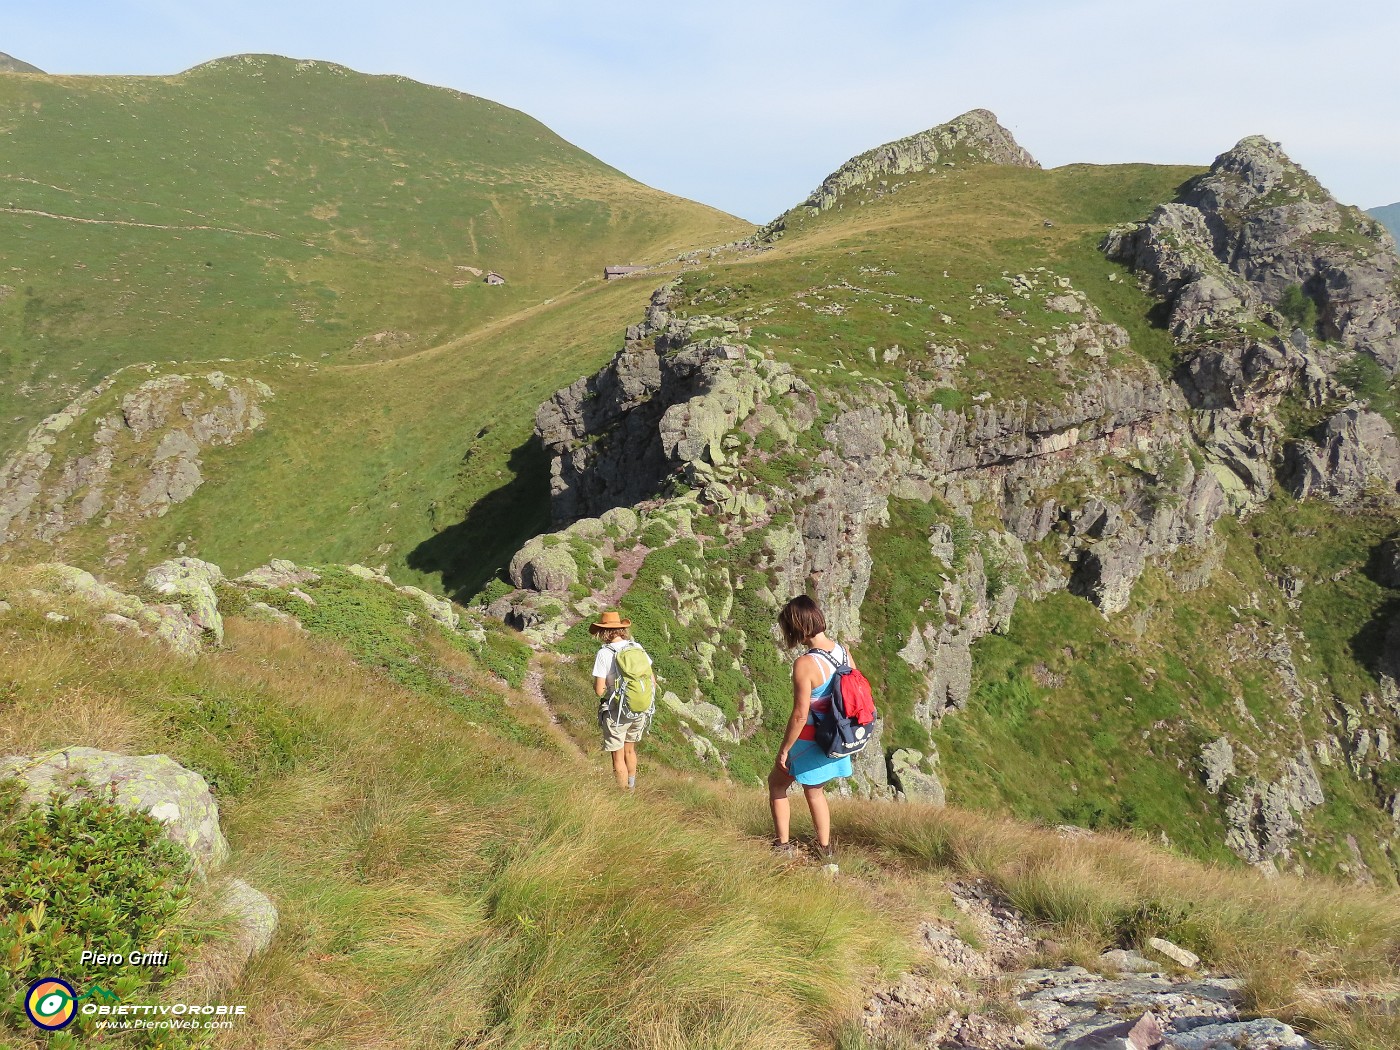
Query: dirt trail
[[147, 225], [534, 689]]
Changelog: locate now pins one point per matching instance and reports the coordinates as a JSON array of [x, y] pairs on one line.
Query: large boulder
[[156, 784], [539, 566], [192, 581]]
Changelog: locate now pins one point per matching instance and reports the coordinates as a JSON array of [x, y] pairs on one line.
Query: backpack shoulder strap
[[828, 657]]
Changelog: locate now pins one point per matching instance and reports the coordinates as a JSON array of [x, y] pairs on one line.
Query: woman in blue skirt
[[799, 758]]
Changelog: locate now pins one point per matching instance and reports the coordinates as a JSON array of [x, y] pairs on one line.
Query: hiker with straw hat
[[626, 688]]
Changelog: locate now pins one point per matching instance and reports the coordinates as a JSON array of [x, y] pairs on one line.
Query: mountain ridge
[[10, 64], [1389, 215]]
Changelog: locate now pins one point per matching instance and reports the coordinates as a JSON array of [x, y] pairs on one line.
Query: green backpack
[[635, 695]]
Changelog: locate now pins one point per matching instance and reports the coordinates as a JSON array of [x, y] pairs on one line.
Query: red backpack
[[849, 722]]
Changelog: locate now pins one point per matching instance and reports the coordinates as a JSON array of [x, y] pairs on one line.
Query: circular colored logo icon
[[50, 1003]]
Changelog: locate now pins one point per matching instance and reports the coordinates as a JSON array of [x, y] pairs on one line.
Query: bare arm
[[600, 686], [803, 677]]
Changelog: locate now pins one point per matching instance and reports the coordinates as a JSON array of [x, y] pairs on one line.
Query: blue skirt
[[811, 765]]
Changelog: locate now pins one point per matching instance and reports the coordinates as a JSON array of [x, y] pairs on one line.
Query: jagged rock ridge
[[1254, 225]]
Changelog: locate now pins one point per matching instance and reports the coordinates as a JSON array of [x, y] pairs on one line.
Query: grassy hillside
[[259, 207], [442, 886]]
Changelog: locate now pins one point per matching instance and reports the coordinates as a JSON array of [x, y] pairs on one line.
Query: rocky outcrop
[[679, 407], [177, 797], [114, 461], [1266, 816], [1254, 226], [1354, 454], [973, 138], [661, 407], [60, 587], [192, 582]]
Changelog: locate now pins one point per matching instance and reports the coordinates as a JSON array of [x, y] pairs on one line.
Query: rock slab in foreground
[[156, 784]]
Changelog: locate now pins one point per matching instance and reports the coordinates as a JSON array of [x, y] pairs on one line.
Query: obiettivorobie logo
[[51, 1003]]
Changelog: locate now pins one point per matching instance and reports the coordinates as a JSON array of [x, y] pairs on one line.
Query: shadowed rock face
[[1250, 228]]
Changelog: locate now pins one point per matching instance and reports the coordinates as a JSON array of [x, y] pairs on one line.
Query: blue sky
[[747, 105]]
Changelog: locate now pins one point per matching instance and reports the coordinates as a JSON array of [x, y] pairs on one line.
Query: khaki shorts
[[615, 734]]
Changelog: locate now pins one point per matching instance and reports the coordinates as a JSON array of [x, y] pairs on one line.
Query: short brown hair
[[611, 634], [801, 620]]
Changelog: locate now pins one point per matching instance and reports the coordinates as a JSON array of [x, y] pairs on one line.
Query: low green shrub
[[83, 874]]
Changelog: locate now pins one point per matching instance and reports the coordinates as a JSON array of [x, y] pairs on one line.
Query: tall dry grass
[[439, 888]]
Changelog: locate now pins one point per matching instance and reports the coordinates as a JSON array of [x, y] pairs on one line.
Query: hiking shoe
[[827, 854], [786, 850]]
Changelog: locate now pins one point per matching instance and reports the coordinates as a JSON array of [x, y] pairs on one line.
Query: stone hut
[[494, 278]]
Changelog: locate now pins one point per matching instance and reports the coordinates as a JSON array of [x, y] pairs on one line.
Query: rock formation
[[177, 797], [1255, 225], [1121, 470], [973, 138], [118, 459]]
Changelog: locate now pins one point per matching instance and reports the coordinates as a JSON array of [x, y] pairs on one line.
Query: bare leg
[[629, 751], [778, 783], [619, 761], [821, 814]]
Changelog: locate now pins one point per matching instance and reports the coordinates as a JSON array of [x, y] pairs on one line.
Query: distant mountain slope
[[258, 204], [1389, 216], [259, 220], [10, 64]]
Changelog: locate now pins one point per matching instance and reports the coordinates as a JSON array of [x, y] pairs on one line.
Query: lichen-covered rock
[[192, 581], [913, 776], [178, 797], [170, 624], [440, 609], [542, 566], [253, 917], [278, 573], [701, 713]]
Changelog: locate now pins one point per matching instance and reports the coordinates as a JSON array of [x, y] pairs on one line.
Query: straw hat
[[611, 621]]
